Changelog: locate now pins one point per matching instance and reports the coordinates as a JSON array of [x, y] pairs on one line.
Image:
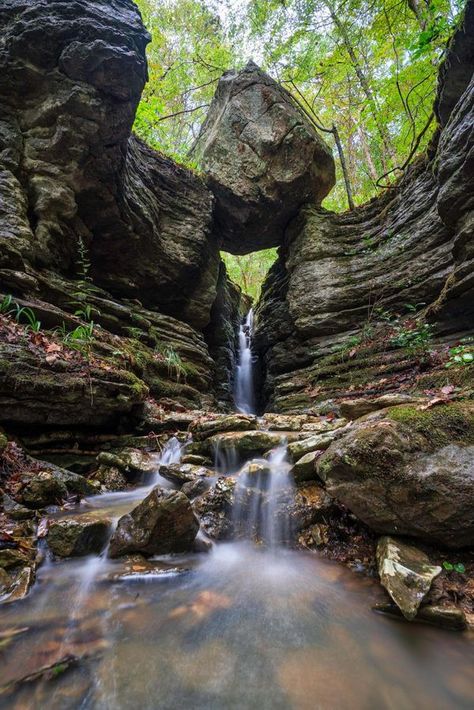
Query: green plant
[[173, 361], [6, 305], [85, 287], [456, 567], [80, 338], [462, 354], [136, 333], [414, 339]]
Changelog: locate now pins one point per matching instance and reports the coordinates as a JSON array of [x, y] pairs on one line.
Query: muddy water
[[236, 628]]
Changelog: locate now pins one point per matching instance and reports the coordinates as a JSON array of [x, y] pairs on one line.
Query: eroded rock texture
[[71, 169], [263, 160], [337, 273], [72, 178]]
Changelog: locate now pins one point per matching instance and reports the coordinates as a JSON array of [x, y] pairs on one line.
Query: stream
[[243, 626]]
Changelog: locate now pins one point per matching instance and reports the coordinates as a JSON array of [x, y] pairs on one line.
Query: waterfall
[[244, 387], [263, 497]]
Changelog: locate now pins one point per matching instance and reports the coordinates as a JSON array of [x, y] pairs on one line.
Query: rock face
[[406, 574], [163, 522], [322, 300], [71, 170], [263, 160], [75, 181], [408, 471]]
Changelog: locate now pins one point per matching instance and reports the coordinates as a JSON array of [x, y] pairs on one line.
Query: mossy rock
[[408, 470], [78, 536]]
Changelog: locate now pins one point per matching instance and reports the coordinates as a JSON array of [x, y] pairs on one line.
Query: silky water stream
[[243, 626]]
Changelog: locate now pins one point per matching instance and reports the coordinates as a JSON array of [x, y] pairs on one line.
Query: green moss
[[3, 442], [441, 424]]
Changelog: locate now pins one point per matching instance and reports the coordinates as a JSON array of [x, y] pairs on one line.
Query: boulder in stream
[[408, 470], [406, 573], [163, 522], [78, 536], [181, 473]]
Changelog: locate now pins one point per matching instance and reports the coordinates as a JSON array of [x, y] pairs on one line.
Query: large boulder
[[163, 522], [408, 470], [263, 158]]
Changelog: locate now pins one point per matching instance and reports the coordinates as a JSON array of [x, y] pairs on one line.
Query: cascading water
[[244, 394], [263, 496]]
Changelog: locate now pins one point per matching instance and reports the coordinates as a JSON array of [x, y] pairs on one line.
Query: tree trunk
[[347, 181], [364, 83]]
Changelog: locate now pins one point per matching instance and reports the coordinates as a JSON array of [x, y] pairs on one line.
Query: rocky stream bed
[[159, 549]]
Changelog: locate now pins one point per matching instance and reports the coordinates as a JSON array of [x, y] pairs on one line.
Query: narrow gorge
[[209, 500]]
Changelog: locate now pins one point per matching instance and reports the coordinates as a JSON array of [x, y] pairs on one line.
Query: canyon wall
[[341, 277]]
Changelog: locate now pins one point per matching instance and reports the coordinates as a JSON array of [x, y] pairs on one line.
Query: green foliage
[[6, 306], [416, 338], [186, 57], [173, 361], [456, 567], [23, 315], [367, 67], [462, 355], [249, 271], [81, 338]]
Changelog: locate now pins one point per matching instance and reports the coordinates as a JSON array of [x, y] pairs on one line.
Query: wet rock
[[263, 160], [129, 460], [163, 522], [305, 468], [10, 557], [204, 428], [14, 510], [112, 478], [193, 489], [181, 473], [318, 534], [300, 422], [43, 490], [78, 536], [318, 442], [408, 471], [256, 471], [196, 460], [311, 504], [247, 444], [214, 509], [20, 586], [447, 617], [406, 574]]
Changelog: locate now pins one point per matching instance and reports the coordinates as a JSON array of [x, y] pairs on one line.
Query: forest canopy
[[364, 71]]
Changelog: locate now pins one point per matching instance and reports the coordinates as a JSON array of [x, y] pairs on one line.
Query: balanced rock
[[263, 159], [163, 522], [78, 536], [408, 471], [406, 574]]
